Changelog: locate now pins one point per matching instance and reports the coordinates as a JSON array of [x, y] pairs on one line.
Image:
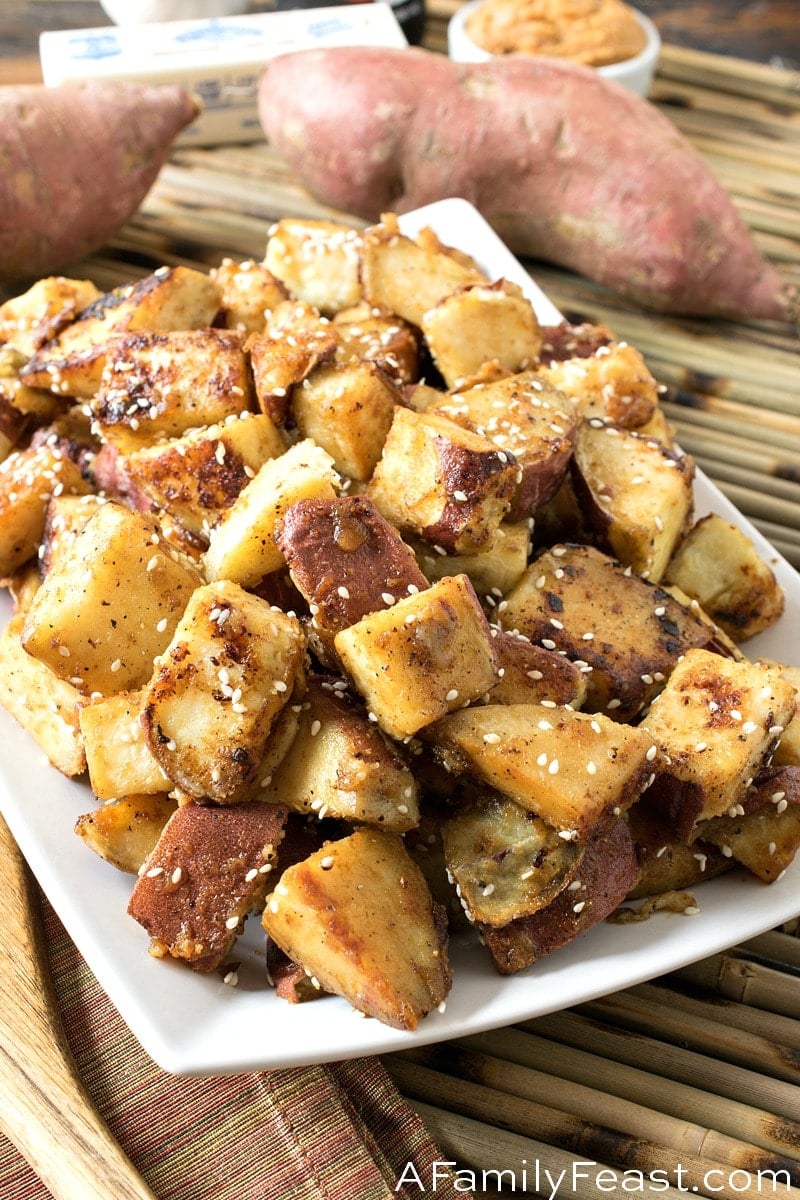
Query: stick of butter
[[218, 60]]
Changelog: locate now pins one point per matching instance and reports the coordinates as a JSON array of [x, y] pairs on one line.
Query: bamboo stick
[[662, 1018], [769, 508], [747, 982], [728, 73], [782, 949], [739, 452], [671, 1062], [582, 1107], [564, 1130], [737, 424], [785, 491], [780, 1031], [714, 412], [737, 1119], [465, 1139]]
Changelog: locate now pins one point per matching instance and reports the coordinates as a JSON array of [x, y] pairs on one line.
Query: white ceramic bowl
[[635, 73], [138, 12]]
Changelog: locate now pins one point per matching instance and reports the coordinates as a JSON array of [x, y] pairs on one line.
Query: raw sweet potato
[[75, 163], [567, 166]]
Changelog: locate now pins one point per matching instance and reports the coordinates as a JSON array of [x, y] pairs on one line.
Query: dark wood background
[[766, 31]]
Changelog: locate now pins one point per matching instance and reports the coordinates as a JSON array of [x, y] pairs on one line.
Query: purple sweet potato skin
[[567, 166], [75, 163]]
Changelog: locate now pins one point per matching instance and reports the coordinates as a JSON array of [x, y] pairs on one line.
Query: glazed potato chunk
[[430, 653], [45, 705], [481, 323], [717, 564], [162, 384], [341, 765], [637, 494], [570, 768], [716, 721], [242, 544], [527, 418], [110, 604], [628, 633], [359, 917], [208, 870], [318, 261], [172, 298], [127, 830], [228, 671], [449, 485]]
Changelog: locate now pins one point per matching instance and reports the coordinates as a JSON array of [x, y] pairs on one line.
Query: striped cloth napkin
[[334, 1132]]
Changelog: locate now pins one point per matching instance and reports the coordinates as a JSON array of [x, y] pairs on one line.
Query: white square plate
[[195, 1024]]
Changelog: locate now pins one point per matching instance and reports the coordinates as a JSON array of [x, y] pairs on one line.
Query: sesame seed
[[387, 598], [175, 877], [154, 872], [452, 694], [591, 767], [487, 891], [343, 592], [491, 739], [579, 907], [232, 922], [327, 862], [553, 768]]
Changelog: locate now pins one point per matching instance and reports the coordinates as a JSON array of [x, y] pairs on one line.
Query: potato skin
[[77, 162], [528, 141]]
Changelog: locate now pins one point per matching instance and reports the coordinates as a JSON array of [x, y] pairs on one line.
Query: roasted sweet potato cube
[[46, 706], [347, 408], [607, 871], [480, 323], [346, 560], [341, 765], [506, 862], [207, 872], [66, 515], [197, 477], [358, 915], [493, 571], [172, 298], [163, 384], [570, 768], [716, 723], [118, 758], [317, 260], [625, 633], [636, 493], [228, 671], [110, 604], [242, 544], [125, 831], [446, 483], [531, 420], [667, 863], [529, 674], [763, 833], [248, 292], [787, 752], [428, 654], [409, 277], [368, 333], [717, 564], [35, 316], [295, 342], [28, 479], [613, 383]]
